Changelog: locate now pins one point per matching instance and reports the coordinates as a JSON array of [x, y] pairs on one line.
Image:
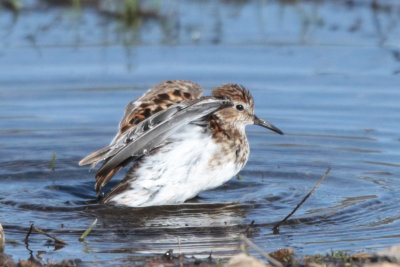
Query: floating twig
[[276, 227], [27, 235], [271, 260], [249, 228], [57, 240], [85, 234]]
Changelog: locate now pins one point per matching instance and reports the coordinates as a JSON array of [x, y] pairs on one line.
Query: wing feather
[[159, 97], [151, 133]]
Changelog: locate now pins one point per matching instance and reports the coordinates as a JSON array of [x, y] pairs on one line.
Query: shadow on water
[[325, 72]]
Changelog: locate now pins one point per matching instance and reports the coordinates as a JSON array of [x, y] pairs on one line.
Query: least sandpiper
[[180, 143]]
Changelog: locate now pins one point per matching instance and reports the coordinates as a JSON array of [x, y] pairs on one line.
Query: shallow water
[[332, 87]]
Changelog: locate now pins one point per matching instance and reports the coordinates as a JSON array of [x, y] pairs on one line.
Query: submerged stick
[[85, 234], [57, 240], [27, 235], [271, 260], [276, 227]]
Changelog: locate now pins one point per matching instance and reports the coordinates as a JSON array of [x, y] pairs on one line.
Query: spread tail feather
[[95, 157], [104, 177]]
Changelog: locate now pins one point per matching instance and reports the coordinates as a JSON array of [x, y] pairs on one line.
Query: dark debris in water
[[7, 261], [40, 231], [285, 257], [169, 258], [281, 257]]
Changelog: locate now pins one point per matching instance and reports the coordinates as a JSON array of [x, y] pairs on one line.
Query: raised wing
[[149, 134], [158, 98]]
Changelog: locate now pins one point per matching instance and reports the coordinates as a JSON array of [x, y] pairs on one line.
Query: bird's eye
[[239, 107]]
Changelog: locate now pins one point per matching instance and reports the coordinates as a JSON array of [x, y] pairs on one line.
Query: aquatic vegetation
[[52, 162]]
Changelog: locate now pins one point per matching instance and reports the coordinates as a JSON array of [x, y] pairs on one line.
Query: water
[[327, 74]]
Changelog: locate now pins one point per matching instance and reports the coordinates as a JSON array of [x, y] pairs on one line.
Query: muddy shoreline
[[286, 257]]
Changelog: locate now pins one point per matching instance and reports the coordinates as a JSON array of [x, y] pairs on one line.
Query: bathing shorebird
[[180, 143]]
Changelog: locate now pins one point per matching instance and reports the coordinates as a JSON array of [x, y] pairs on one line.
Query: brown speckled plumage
[[158, 98], [147, 135], [224, 125]]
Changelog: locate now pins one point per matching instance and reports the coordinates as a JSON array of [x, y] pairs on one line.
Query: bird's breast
[[189, 162]]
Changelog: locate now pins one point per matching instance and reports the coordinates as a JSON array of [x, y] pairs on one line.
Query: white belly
[[178, 171]]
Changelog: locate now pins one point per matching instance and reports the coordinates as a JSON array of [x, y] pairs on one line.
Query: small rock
[[29, 263], [361, 256], [313, 264], [2, 239], [381, 264], [243, 260], [6, 260], [283, 255], [392, 253]]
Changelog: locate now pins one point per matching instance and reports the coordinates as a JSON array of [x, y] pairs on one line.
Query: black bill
[[265, 124]]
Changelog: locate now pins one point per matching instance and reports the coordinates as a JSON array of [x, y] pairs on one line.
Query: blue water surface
[[326, 73]]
